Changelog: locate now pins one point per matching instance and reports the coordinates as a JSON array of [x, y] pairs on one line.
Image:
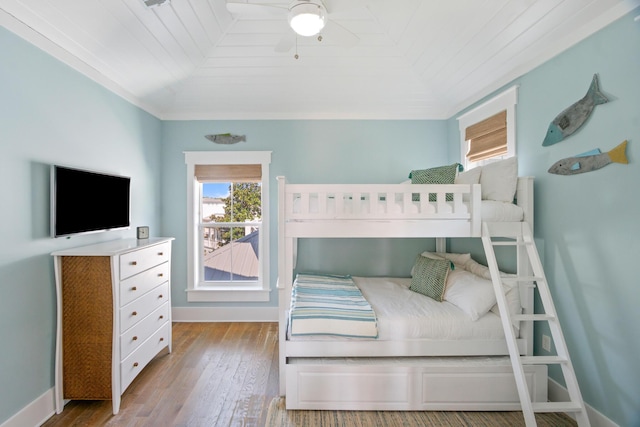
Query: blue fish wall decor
[[590, 161], [570, 120], [226, 138]]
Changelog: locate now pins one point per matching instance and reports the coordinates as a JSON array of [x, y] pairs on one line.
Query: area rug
[[278, 416]]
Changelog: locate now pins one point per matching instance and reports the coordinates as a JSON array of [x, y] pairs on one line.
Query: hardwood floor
[[218, 374]]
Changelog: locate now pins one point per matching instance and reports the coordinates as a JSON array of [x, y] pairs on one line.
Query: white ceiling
[[415, 59]]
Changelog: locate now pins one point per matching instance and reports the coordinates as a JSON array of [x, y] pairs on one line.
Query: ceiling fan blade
[[287, 42], [256, 9], [336, 33], [337, 6]]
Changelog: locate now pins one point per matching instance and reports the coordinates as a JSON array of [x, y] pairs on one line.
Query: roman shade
[[487, 138], [228, 173]]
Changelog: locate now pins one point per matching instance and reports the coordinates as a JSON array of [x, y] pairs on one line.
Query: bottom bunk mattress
[[400, 314]]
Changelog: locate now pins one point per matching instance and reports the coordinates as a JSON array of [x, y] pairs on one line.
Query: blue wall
[[51, 114], [587, 227], [308, 152]]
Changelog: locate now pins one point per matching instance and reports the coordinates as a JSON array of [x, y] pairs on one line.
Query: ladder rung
[[511, 243], [542, 360], [556, 407], [522, 279], [535, 317]]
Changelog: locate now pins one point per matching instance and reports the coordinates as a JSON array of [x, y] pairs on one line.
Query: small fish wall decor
[[570, 120], [590, 161], [226, 138]]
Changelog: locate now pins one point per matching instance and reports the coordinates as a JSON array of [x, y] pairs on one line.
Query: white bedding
[[492, 211], [404, 315]]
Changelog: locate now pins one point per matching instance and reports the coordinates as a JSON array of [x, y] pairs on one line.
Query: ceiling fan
[[306, 18]]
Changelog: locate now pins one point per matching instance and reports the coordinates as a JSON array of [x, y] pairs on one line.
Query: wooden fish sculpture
[[575, 116], [226, 138], [590, 161]]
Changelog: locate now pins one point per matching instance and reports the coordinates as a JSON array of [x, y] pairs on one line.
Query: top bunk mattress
[[406, 315]]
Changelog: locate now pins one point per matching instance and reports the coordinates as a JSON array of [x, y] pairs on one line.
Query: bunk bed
[[392, 368]]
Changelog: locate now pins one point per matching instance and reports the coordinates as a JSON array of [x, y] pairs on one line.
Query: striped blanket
[[330, 305]]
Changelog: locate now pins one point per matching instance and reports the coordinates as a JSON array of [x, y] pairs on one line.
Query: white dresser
[[114, 316]]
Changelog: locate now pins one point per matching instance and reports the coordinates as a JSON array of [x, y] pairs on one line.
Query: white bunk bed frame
[[422, 374]]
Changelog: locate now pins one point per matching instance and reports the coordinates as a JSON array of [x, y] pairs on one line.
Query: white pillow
[[472, 176], [459, 259], [464, 262], [472, 294], [513, 303], [512, 292], [499, 180], [477, 268]]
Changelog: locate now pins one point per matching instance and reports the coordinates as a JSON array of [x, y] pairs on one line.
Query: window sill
[[228, 294]]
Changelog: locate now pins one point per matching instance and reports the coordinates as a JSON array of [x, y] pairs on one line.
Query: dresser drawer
[[139, 333], [140, 284], [135, 262], [140, 308], [132, 365]]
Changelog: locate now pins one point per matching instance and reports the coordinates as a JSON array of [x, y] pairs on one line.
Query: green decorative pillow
[[430, 277], [437, 175]]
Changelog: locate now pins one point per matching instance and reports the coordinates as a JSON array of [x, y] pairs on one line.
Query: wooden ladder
[[521, 237]]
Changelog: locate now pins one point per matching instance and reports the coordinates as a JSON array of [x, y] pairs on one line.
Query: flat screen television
[[84, 201]]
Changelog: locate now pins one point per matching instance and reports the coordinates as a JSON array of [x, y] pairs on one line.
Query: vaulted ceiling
[[404, 59]]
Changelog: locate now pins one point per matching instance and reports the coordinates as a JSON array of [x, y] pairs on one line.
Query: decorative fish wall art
[[226, 138], [590, 161], [570, 120]]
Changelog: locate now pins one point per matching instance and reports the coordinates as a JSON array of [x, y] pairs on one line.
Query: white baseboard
[[224, 314], [558, 393], [35, 413]]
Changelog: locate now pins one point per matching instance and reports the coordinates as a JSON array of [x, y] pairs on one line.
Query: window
[[488, 132], [228, 223]]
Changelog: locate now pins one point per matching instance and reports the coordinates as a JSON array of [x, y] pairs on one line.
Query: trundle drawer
[[137, 310], [419, 385], [132, 365], [138, 285], [135, 262], [136, 335]]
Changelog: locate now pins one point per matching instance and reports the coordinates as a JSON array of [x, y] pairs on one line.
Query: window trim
[[506, 100], [240, 293]]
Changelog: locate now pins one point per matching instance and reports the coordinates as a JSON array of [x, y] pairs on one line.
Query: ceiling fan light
[[307, 19]]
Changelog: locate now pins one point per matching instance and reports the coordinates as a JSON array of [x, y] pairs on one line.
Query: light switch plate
[[143, 232]]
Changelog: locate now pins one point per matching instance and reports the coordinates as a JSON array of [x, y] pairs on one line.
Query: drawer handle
[[160, 296], [135, 364], [134, 288], [135, 313], [161, 316], [160, 253], [135, 338], [134, 262], [161, 339], [160, 275]]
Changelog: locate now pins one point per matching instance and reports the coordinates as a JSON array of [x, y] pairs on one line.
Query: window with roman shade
[[487, 138], [227, 209], [228, 173], [488, 131]]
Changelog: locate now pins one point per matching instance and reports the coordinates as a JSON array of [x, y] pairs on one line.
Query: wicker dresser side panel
[[87, 322]]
